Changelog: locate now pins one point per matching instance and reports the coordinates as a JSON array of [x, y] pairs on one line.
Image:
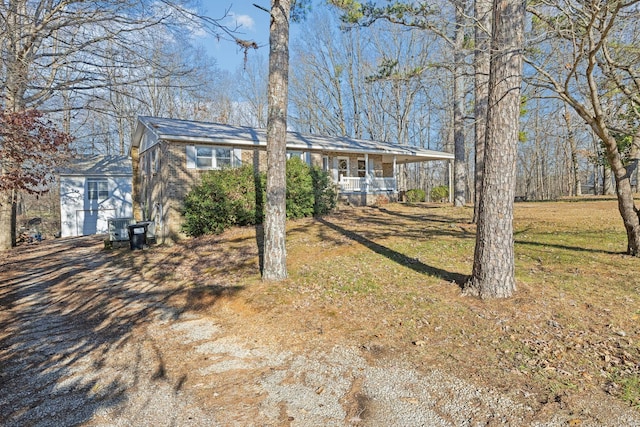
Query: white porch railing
[[362, 185]]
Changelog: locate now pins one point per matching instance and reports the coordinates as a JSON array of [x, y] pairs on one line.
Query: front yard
[[388, 280]]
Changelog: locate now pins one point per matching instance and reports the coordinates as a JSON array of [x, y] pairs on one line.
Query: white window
[[97, 190], [204, 157], [211, 157], [224, 157], [296, 154], [362, 168]]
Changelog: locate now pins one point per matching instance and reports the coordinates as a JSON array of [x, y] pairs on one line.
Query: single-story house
[[169, 155], [94, 189]]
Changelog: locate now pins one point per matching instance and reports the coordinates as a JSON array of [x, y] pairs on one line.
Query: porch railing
[[363, 185]]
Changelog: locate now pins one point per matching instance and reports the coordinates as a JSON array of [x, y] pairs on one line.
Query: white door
[[93, 221]]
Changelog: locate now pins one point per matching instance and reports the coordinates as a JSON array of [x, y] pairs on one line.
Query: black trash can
[[137, 236]]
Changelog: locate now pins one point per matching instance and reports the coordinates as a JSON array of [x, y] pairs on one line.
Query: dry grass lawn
[[388, 279]]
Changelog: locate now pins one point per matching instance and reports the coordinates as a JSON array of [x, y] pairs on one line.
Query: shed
[[94, 189]]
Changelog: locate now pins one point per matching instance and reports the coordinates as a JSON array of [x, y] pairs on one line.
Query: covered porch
[[363, 178]]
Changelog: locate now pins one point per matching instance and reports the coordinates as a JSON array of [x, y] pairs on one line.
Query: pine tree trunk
[[460, 165], [494, 265], [482, 59], [275, 252]]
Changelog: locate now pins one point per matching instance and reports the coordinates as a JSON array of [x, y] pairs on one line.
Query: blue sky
[[252, 24]]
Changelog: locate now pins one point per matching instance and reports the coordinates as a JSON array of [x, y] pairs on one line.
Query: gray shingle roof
[[239, 136], [99, 165]]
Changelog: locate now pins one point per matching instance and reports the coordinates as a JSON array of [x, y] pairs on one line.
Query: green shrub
[[324, 192], [439, 193], [416, 195], [300, 194], [229, 197], [222, 199]]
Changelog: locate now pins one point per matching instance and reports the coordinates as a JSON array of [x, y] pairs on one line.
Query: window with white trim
[[207, 157], [97, 190], [224, 157], [213, 157], [296, 154], [362, 168]]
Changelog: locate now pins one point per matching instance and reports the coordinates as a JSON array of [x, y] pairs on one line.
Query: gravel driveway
[[85, 340]]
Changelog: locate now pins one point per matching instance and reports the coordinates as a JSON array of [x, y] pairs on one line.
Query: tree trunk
[[460, 165], [482, 59], [624, 192], [7, 220], [493, 273], [575, 168], [275, 252]]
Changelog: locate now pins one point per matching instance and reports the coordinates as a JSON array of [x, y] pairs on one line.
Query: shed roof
[[99, 165], [241, 136]]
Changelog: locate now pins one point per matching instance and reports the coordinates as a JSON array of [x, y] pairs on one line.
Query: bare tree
[[74, 59], [251, 92], [448, 20], [275, 252], [599, 77], [493, 273]]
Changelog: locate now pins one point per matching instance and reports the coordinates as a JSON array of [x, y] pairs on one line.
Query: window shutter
[[191, 156], [237, 157]]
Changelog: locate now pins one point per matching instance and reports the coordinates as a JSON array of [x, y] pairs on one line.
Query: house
[[169, 155], [94, 189]]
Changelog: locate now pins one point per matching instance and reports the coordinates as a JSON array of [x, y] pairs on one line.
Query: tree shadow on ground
[[72, 322], [567, 248], [396, 256]]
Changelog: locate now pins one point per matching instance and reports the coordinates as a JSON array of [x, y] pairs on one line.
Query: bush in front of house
[[222, 199], [439, 193], [310, 190], [300, 196], [229, 197], [325, 195], [416, 195]]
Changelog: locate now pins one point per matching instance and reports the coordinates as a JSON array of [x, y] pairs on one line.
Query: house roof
[[99, 165], [240, 137]]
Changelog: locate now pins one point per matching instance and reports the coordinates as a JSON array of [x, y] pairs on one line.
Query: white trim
[[338, 159], [235, 156]]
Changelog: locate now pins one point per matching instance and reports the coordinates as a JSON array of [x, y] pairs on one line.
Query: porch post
[[395, 174], [450, 168], [366, 173]]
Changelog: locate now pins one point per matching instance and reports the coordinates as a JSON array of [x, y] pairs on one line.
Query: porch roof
[[246, 137]]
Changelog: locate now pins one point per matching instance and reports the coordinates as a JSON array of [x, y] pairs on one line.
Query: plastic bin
[[138, 235]]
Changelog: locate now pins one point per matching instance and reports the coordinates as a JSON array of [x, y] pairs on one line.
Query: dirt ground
[[99, 337]]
